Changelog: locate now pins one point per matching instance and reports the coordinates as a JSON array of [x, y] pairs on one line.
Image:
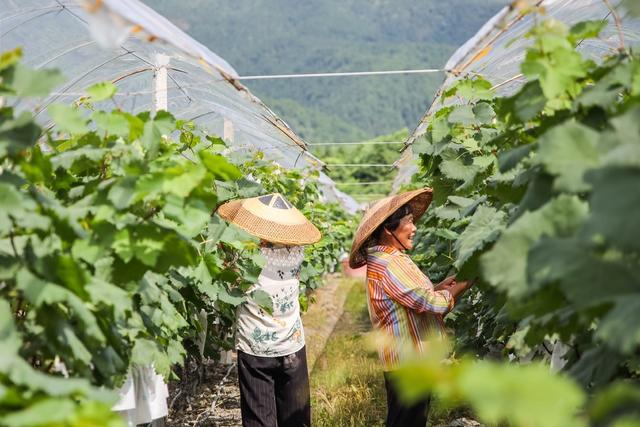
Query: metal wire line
[[369, 165], [341, 74]]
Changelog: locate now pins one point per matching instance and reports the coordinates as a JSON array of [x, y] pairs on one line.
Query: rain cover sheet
[[498, 49], [126, 42]]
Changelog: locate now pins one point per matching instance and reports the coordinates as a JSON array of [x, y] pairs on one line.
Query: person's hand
[[445, 284], [458, 288]]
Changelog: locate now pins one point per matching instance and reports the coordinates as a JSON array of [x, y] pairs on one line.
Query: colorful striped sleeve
[[406, 287]]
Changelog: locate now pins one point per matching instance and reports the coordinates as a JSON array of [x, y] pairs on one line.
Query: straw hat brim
[[283, 226], [418, 200]]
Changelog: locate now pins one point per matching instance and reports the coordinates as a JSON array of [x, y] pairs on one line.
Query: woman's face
[[405, 232]]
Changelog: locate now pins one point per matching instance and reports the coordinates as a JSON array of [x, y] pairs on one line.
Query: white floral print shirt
[[280, 333]]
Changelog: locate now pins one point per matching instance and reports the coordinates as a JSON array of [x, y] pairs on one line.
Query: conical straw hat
[[378, 212], [271, 217]]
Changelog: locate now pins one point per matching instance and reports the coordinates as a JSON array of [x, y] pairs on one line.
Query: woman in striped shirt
[[403, 303]]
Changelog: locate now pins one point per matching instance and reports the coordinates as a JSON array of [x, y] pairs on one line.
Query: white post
[[143, 398], [202, 335], [228, 131], [160, 101]]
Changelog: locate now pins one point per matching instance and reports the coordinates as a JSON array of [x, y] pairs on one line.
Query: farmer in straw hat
[[403, 303], [272, 363]]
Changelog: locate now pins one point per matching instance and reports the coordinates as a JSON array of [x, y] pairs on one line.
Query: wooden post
[[160, 101], [202, 335]]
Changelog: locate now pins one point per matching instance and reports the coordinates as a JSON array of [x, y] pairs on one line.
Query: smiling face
[[402, 237]]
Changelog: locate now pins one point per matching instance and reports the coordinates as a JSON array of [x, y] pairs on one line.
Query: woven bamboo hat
[[378, 212], [271, 217]]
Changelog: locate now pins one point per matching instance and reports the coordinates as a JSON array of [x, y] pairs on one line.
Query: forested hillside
[[291, 36]]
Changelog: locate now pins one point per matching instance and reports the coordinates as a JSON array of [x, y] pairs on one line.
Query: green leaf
[[101, 91], [446, 234], [9, 337], [18, 134], [505, 265], [181, 181], [484, 112], [146, 352], [595, 367], [606, 91], [84, 249], [21, 373], [568, 151], [136, 126], [200, 273], [26, 82], [114, 123], [69, 340], [53, 410], [219, 166], [14, 204], [263, 300], [192, 218], [486, 225], [122, 193], [463, 202], [572, 263], [529, 102], [161, 125], [553, 60], [216, 229], [440, 128], [462, 114], [70, 274], [615, 204], [471, 89], [38, 169], [92, 413], [112, 296], [618, 398], [632, 6], [521, 395], [68, 159], [10, 57], [234, 296], [456, 166], [143, 243], [620, 328], [586, 30], [68, 119], [509, 159], [623, 144], [215, 140], [39, 292]]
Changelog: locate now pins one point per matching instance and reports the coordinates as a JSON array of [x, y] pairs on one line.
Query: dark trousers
[[274, 391], [401, 415]]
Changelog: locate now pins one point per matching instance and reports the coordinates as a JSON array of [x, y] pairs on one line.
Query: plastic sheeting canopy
[[499, 47], [128, 43]]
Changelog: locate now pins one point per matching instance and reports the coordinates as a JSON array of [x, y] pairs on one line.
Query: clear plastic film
[[125, 42], [498, 48]]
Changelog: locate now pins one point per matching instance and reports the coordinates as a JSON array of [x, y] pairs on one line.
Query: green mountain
[[297, 36]]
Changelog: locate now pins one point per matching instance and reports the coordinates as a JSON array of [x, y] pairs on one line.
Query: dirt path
[[216, 402], [321, 318]]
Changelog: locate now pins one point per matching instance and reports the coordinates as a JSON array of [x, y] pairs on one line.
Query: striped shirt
[[403, 304]]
